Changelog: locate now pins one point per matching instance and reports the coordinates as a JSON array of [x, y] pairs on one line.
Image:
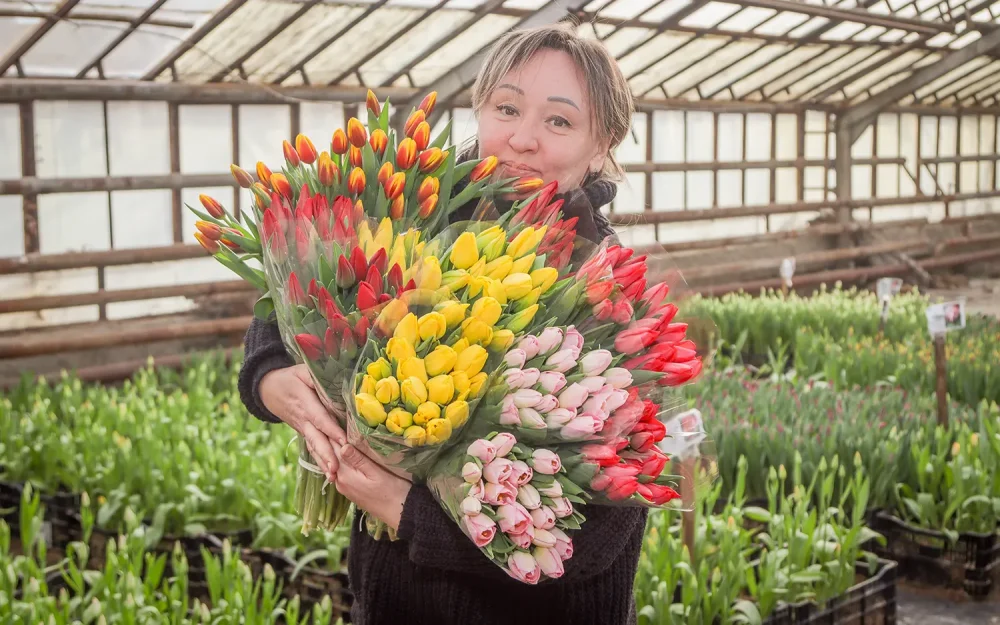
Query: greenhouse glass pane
[[666, 9], [710, 15], [748, 19], [67, 46]]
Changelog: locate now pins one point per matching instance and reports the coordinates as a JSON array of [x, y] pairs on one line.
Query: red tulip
[[657, 494], [356, 133], [394, 279], [290, 155], [327, 306], [632, 340], [654, 295], [312, 347], [339, 144], [359, 263], [361, 330], [345, 273], [384, 173], [303, 244], [622, 312], [602, 310], [348, 349], [427, 104], [599, 290], [678, 373], [280, 184], [295, 293], [406, 154], [366, 297], [305, 149], [212, 206], [430, 159], [379, 261], [416, 118], [601, 455], [374, 279], [331, 344]]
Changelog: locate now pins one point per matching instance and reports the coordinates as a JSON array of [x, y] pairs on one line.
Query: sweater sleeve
[[436, 541], [263, 352]]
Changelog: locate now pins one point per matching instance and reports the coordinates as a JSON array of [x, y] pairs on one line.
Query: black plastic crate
[[61, 521], [971, 563], [869, 602]]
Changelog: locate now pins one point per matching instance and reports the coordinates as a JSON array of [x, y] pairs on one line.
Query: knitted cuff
[[252, 373]]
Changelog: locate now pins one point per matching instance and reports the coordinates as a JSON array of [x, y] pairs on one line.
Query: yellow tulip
[[457, 413], [440, 361], [390, 316], [460, 345], [477, 332], [529, 299], [430, 274], [426, 412], [412, 368], [432, 325], [478, 270], [413, 393], [398, 420], [476, 383], [492, 245], [524, 243], [399, 350], [471, 360], [455, 279], [544, 278], [367, 385], [398, 255], [499, 268], [454, 312], [464, 253], [523, 264], [496, 290], [502, 340], [438, 431], [379, 369], [383, 236], [365, 241], [370, 409], [415, 436], [477, 284], [517, 285], [407, 329], [487, 310], [461, 381], [520, 321], [440, 389], [387, 390]]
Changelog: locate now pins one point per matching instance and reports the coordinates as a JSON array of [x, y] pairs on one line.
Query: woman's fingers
[[321, 449]]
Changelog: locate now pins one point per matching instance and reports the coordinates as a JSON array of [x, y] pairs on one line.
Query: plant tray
[[870, 602], [971, 563], [61, 524]]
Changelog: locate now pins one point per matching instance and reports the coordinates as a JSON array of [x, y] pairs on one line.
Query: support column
[[843, 168]]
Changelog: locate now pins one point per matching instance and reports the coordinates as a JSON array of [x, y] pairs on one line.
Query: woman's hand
[[370, 486], [289, 394]]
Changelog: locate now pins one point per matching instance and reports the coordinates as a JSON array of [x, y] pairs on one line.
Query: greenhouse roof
[[820, 52]]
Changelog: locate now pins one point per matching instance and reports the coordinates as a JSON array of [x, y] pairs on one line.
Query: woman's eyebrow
[[513, 88], [556, 98]]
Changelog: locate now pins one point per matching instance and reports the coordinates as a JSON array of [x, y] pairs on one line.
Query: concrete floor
[[924, 606]]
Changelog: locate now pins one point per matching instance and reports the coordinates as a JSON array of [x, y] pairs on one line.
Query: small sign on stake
[[787, 272], [685, 432], [941, 319]]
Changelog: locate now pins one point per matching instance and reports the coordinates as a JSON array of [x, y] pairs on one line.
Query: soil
[[924, 605]]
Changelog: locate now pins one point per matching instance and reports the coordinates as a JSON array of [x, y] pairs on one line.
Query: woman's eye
[[560, 122], [507, 109]]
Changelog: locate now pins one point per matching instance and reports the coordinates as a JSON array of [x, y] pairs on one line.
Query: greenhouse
[[374, 311]]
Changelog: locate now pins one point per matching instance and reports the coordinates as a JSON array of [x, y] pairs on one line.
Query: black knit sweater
[[435, 575]]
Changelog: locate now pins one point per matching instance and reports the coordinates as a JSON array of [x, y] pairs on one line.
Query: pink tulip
[[543, 538], [555, 490], [617, 399], [552, 381], [514, 378], [528, 497], [498, 471], [543, 517], [581, 428], [622, 312], [573, 396], [531, 376], [524, 568], [499, 494], [602, 310], [504, 442], [531, 419], [471, 472], [564, 546], [573, 342], [593, 384], [526, 398], [595, 362], [618, 377], [528, 345], [559, 417], [549, 561], [546, 461], [562, 507], [478, 491], [520, 472], [480, 528], [561, 361], [513, 518], [509, 414], [471, 506], [635, 339], [482, 449], [597, 405], [549, 339], [547, 404], [523, 540], [515, 358]]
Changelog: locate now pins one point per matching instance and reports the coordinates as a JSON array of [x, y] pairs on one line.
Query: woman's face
[[537, 122]]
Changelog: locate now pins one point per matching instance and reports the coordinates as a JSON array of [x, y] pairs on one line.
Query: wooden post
[[689, 515], [941, 369]]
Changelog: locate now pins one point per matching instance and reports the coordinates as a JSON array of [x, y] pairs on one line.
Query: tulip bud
[[517, 285], [384, 173], [406, 154], [356, 181], [428, 187], [527, 185], [520, 321], [327, 171], [398, 420], [427, 206], [291, 156], [397, 209], [426, 412], [370, 409], [502, 340], [544, 278], [339, 144], [395, 185], [415, 436], [355, 157], [212, 206], [484, 168], [210, 245], [305, 149], [312, 347], [379, 141], [371, 102], [431, 159], [209, 230], [427, 104], [471, 473], [356, 133], [415, 119], [280, 184], [422, 135], [464, 253], [471, 360], [241, 176], [413, 393]]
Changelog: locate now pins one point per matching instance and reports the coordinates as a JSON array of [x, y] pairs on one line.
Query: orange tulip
[[327, 171], [397, 208], [262, 194], [241, 176], [356, 132], [379, 141], [212, 206], [430, 186], [416, 117], [356, 181], [208, 244], [339, 143], [280, 184], [525, 185], [290, 155], [355, 157], [372, 104], [427, 104], [484, 169], [406, 154], [395, 185], [384, 173], [264, 174], [431, 159], [427, 206], [231, 244], [209, 230], [422, 135], [306, 149]]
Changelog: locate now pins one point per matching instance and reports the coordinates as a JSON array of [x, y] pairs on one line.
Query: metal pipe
[[101, 296], [86, 16], [33, 185]]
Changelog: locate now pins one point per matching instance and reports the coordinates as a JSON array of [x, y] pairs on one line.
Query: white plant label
[[888, 287], [787, 271], [945, 317], [684, 433]]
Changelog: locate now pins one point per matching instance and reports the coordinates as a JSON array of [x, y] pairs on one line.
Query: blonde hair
[[607, 89]]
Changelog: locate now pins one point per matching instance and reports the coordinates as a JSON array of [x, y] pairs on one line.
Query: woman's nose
[[523, 139]]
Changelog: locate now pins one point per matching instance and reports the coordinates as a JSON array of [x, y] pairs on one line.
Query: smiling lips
[[517, 169]]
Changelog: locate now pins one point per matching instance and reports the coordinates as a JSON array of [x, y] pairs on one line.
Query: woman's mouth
[[518, 170]]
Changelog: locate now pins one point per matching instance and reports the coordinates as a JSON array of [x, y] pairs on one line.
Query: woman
[[550, 105]]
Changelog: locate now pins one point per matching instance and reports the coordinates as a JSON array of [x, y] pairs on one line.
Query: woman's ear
[[596, 164]]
